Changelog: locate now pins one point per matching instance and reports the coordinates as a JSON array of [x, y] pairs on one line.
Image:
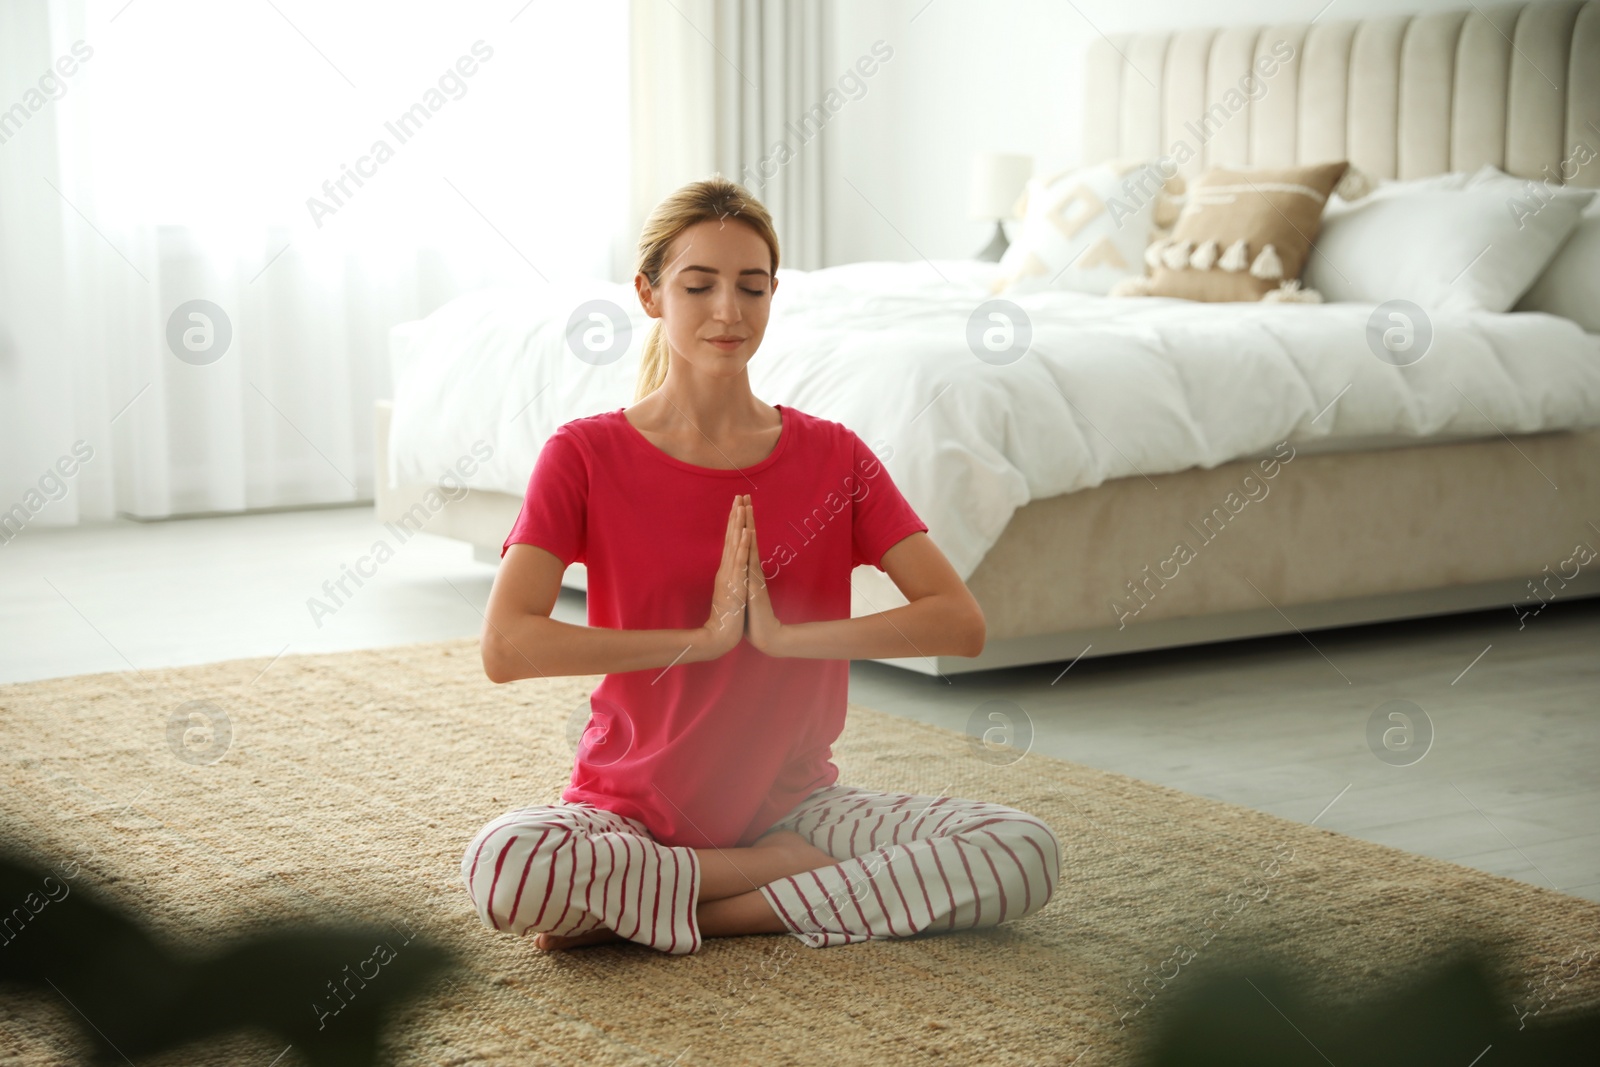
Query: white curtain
[[740, 87], [291, 179]]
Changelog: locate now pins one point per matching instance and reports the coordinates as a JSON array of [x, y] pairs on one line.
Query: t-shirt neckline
[[785, 431]]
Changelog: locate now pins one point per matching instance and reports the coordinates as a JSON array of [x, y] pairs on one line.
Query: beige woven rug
[[352, 783]]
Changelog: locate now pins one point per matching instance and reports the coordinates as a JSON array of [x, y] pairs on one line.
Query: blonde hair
[[711, 198]]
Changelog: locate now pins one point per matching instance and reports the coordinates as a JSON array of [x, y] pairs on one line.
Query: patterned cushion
[[1086, 229], [1242, 234]]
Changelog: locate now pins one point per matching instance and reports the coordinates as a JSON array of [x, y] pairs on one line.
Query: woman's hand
[[729, 592], [761, 626]]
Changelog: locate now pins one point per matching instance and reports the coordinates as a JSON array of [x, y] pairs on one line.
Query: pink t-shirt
[[710, 754]]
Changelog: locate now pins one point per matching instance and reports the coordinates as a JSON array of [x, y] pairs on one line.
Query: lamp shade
[[997, 180]]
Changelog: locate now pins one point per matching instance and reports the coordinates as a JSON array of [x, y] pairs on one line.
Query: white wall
[[967, 77]]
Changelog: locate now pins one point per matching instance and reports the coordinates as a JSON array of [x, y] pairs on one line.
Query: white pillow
[[1451, 243], [1456, 179], [1086, 229], [1570, 285]]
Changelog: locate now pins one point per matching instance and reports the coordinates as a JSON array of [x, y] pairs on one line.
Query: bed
[[1311, 484]]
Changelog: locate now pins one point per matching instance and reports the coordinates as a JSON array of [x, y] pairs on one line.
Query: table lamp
[[998, 179]]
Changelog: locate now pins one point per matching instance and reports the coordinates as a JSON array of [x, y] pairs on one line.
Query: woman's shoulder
[[590, 429], [600, 420], [819, 433], [816, 426]]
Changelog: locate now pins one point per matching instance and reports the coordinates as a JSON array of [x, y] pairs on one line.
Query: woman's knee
[[1029, 842], [508, 863], [1044, 849]]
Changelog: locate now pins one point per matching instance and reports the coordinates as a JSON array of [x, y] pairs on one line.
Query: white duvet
[[1110, 388]]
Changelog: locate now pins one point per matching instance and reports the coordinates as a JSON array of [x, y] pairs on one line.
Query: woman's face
[[717, 283]]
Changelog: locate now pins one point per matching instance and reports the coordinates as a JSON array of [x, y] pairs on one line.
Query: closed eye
[[742, 289]]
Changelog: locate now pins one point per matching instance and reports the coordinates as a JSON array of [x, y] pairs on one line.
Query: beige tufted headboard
[[1406, 96]]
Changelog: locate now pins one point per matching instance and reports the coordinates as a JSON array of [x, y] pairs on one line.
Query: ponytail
[[652, 363]]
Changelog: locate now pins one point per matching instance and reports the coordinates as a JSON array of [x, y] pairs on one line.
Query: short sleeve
[[882, 517], [555, 509]]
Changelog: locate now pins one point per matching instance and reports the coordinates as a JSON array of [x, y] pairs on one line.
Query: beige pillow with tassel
[[1242, 235]]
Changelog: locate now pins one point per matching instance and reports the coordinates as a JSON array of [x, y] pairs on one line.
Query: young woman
[[719, 533]]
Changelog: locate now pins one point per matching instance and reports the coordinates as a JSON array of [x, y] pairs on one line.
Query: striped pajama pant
[[909, 864]]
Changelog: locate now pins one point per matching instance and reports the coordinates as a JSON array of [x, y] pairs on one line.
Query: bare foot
[[556, 943], [808, 857]]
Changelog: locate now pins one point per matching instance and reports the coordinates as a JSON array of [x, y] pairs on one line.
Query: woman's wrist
[[699, 642], [774, 641], [705, 644]]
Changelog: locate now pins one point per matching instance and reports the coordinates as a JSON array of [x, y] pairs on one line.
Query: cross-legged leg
[[572, 869], [911, 864], [573, 874], [731, 904]]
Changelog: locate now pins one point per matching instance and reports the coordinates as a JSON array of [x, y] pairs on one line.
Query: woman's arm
[[942, 619], [521, 640]]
